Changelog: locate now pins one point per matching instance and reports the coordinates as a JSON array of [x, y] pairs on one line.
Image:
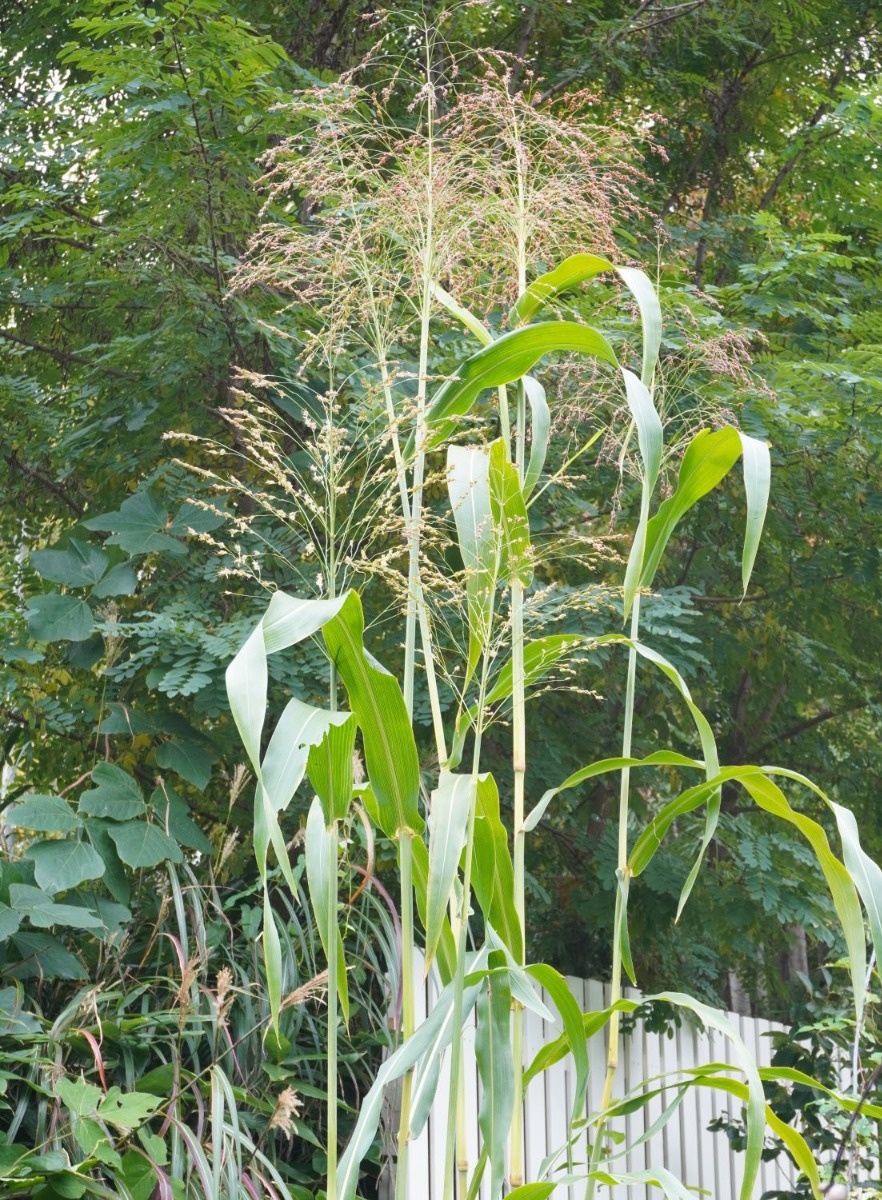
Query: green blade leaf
[[650, 438], [468, 485], [445, 948], [428, 1044], [643, 290], [272, 958], [492, 871], [510, 516], [757, 485], [496, 1070], [448, 821], [661, 758], [708, 459], [506, 360], [574, 1029], [321, 851], [375, 698], [576, 269], [330, 768], [462, 314], [540, 430], [756, 1099], [865, 872]]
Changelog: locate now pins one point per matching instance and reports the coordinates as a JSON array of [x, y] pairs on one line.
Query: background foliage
[[129, 147]]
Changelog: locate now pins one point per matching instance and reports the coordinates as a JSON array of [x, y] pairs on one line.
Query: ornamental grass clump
[[429, 273]]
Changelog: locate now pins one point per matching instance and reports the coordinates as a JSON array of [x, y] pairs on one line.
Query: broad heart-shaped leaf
[[506, 360], [709, 457], [187, 759], [54, 618], [116, 878], [576, 269], [139, 526], [174, 816], [540, 428], [42, 957], [10, 920], [492, 871], [116, 794], [510, 516], [120, 580], [650, 439], [375, 697], [322, 848], [80, 1097], [79, 565], [127, 1110], [496, 1070], [330, 768], [468, 485], [64, 864], [42, 911], [426, 1047], [448, 822], [141, 845], [42, 814]]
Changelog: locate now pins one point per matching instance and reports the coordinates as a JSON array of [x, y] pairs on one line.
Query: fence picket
[[684, 1146]]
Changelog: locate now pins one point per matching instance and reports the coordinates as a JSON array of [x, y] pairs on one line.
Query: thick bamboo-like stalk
[[415, 605], [621, 916], [408, 1022], [333, 1016], [462, 940]]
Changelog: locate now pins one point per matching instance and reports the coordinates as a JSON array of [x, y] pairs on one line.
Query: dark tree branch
[[825, 714], [15, 464]]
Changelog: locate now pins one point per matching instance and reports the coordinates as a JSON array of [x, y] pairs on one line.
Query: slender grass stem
[[519, 730]]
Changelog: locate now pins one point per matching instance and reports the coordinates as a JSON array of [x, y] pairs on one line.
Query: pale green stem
[[333, 998], [462, 1158], [333, 1010], [519, 731], [422, 612], [419, 467], [621, 915], [462, 941], [414, 602], [408, 1021]]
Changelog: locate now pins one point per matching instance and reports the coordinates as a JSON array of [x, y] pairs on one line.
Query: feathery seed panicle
[[288, 1107]]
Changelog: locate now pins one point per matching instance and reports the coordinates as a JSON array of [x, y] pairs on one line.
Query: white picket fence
[[704, 1161]]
